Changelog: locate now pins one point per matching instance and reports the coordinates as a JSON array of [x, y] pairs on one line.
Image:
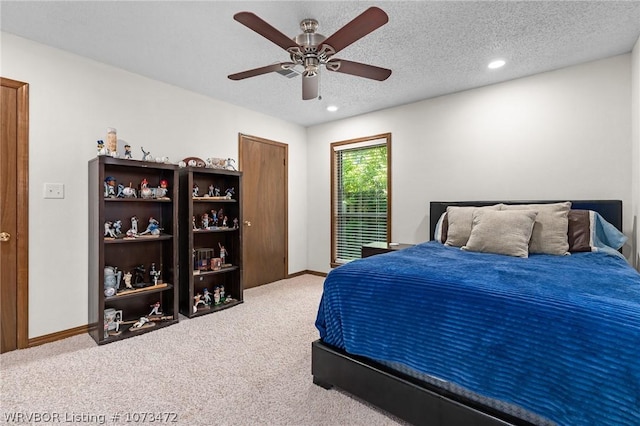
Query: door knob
[[248, 223], [4, 236]]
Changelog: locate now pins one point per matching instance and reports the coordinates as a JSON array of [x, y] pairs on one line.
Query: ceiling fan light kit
[[312, 50]]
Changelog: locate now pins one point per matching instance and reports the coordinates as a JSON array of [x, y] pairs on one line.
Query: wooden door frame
[[22, 207], [242, 136]]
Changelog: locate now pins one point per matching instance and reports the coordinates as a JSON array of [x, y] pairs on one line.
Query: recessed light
[[332, 108], [496, 64]]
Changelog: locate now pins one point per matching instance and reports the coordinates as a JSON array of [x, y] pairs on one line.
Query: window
[[360, 195]]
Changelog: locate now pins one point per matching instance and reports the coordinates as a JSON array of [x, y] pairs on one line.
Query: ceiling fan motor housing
[[309, 41]]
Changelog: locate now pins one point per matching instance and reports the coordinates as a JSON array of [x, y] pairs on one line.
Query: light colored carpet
[[247, 365]]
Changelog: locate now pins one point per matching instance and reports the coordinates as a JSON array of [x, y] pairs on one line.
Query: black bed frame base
[[409, 399]]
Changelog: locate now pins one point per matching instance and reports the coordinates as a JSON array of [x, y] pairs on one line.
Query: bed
[[439, 335]]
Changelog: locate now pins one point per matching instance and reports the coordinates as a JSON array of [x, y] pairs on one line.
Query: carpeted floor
[[248, 365]]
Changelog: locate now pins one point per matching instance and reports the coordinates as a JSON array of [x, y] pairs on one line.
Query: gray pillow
[[550, 230], [502, 232], [459, 223]]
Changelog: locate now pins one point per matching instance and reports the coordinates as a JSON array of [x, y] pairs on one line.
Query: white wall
[[562, 134], [559, 135], [635, 136], [72, 102]]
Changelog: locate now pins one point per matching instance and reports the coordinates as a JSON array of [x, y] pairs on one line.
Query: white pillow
[[550, 230], [502, 232], [460, 219]]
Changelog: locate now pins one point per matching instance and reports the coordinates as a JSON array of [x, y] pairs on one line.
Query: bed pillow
[[502, 232], [550, 230], [579, 234], [440, 231], [459, 220], [605, 234]]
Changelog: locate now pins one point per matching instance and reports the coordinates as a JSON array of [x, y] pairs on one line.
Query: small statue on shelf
[[155, 275], [127, 280], [127, 151], [141, 324], [197, 299], [220, 215], [216, 295], [112, 142], [128, 192], [110, 187], [163, 189], [205, 221], [214, 218], [133, 232], [229, 192], [224, 222], [117, 228], [109, 232], [223, 253], [155, 309], [138, 277], [196, 190], [101, 148], [211, 191], [235, 223], [146, 155], [153, 228], [222, 296], [145, 191], [193, 223], [206, 296], [228, 164]]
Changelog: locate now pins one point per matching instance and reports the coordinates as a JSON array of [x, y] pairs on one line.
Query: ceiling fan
[[312, 50]]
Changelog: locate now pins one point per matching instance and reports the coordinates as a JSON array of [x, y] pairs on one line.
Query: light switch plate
[[54, 190]]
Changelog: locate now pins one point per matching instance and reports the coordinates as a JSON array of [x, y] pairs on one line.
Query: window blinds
[[361, 194]]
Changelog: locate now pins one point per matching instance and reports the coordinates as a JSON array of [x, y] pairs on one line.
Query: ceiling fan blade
[[358, 69], [309, 87], [259, 71], [257, 24], [368, 21]]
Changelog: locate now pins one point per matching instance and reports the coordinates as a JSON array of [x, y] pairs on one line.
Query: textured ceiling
[[434, 48]]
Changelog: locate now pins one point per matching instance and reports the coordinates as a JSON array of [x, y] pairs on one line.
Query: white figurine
[[102, 150], [127, 280], [146, 155], [117, 227], [108, 230], [153, 227], [155, 310], [133, 232], [142, 321], [112, 142]]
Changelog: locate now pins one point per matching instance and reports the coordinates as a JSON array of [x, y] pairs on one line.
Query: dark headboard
[[610, 210]]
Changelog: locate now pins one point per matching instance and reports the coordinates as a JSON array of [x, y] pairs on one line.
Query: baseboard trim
[[307, 272], [59, 335]]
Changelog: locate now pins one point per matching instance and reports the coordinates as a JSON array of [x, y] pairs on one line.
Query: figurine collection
[[114, 319], [134, 280], [204, 259], [206, 299], [114, 190], [110, 148], [131, 277], [113, 229]]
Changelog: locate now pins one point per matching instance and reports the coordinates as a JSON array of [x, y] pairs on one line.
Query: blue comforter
[[556, 335]]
